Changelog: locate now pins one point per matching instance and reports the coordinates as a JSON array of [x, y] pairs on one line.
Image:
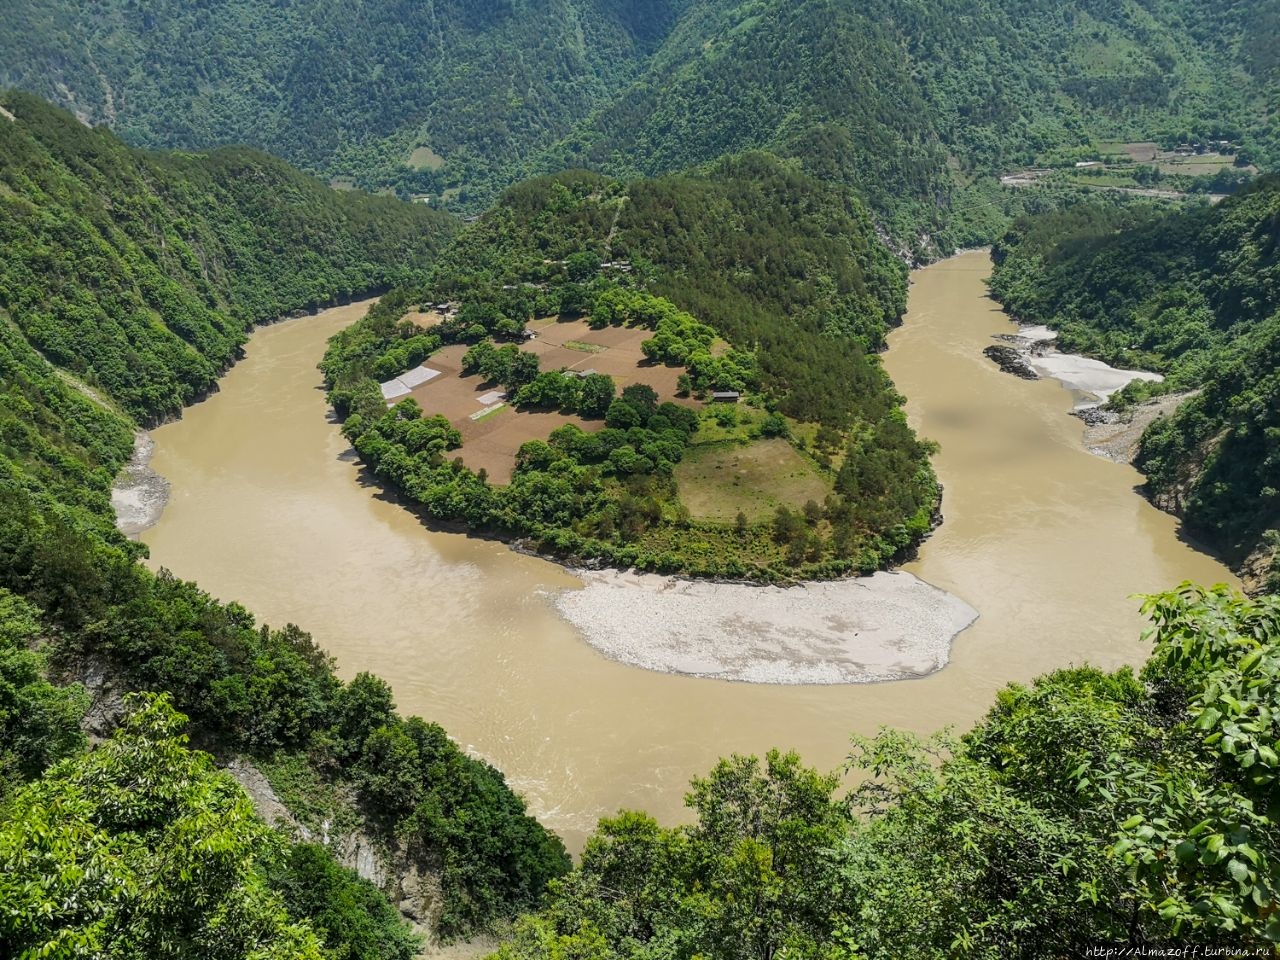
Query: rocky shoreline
[[139, 494], [1030, 354], [889, 626], [1011, 360], [1115, 436]]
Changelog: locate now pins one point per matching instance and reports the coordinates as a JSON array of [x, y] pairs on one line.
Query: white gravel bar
[[1081, 374], [890, 626], [1086, 375], [1036, 332], [139, 494]]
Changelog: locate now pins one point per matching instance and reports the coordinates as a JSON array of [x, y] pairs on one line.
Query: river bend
[[269, 507]]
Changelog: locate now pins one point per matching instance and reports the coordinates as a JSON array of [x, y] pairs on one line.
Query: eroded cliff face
[[106, 699], [1118, 437], [412, 885], [1260, 571], [1257, 571]]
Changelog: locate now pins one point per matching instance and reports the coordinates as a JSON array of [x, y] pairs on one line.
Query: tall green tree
[[39, 721], [141, 848]]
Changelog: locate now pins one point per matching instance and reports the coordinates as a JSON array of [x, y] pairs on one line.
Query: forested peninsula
[[758, 296]]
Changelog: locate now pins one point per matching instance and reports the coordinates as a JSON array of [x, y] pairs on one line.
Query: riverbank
[[1115, 436], [1095, 380], [269, 508], [139, 494], [1030, 354], [889, 626]]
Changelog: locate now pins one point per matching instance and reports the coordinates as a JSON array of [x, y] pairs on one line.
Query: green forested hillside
[[768, 255], [141, 272], [1089, 808], [912, 103], [56, 444], [349, 88], [1194, 294], [915, 104], [141, 813], [784, 268]]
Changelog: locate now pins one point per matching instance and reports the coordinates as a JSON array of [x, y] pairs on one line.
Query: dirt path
[[1033, 178]]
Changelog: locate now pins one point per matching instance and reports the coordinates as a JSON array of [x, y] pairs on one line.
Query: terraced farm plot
[[1141, 151], [1195, 165], [716, 481], [611, 350]]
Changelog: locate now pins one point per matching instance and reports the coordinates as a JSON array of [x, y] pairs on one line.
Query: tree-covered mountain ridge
[[383, 91], [1194, 294], [919, 105], [916, 105], [142, 273]]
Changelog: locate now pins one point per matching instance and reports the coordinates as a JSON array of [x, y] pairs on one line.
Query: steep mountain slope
[[349, 88], [910, 101], [1196, 294], [915, 104], [142, 272]]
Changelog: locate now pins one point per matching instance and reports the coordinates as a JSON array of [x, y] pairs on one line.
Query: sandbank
[[1086, 375], [889, 626]]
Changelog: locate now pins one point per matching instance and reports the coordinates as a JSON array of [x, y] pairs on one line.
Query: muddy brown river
[[1047, 541]]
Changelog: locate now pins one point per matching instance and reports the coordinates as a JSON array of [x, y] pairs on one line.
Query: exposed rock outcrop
[[411, 885], [412, 888], [1011, 360], [1260, 571], [1116, 435], [106, 699]]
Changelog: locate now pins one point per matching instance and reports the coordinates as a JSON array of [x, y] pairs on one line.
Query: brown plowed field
[[491, 443]]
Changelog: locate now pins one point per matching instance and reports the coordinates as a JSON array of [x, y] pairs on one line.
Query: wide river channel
[[269, 507]]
